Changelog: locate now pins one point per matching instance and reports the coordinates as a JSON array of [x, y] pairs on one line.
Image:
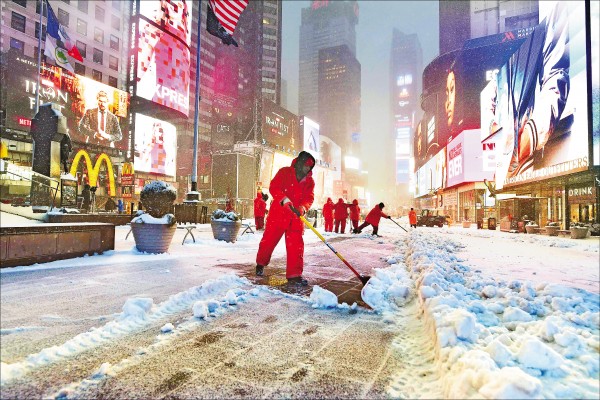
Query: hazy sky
[[376, 21]]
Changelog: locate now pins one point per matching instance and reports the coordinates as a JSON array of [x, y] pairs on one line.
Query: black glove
[[389, 217]]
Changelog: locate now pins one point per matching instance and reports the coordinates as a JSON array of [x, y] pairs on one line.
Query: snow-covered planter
[[579, 231], [531, 227], [154, 231], [466, 224], [552, 228], [225, 225]]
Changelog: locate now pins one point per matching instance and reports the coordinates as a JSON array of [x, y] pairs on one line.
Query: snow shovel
[[399, 225], [363, 278]]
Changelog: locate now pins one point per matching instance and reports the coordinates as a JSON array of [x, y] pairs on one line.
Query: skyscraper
[[406, 68], [339, 97], [461, 20], [324, 24]]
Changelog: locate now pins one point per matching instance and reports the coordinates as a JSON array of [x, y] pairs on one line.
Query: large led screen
[[163, 68], [331, 154], [540, 118], [155, 146], [595, 78], [280, 127], [172, 16], [432, 175], [464, 159], [96, 113], [311, 134]]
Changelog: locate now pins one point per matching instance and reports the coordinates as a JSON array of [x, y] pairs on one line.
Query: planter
[[530, 229], [225, 230], [153, 238], [579, 232], [466, 224], [552, 230]]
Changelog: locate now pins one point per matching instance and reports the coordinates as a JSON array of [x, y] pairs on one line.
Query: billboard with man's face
[[162, 72], [540, 124], [96, 113], [155, 146]]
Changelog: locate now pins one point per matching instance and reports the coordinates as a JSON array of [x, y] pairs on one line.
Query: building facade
[[324, 24], [406, 68]]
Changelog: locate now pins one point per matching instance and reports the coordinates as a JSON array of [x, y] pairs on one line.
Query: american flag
[[228, 12]]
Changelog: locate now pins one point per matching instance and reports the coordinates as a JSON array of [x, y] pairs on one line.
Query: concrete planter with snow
[[153, 238], [579, 232], [225, 230], [552, 230], [466, 224], [531, 229]]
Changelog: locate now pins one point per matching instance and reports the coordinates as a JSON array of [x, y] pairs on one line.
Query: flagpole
[[37, 88], [193, 195]]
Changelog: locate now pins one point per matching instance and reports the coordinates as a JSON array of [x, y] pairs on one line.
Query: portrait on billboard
[[99, 125], [163, 69], [173, 16], [543, 92], [155, 146]]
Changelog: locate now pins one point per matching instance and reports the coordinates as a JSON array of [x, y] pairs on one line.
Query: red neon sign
[[23, 121]]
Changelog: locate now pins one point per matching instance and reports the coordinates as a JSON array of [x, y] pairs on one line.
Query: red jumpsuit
[[340, 210], [373, 218], [281, 220], [260, 206], [328, 215], [354, 213]]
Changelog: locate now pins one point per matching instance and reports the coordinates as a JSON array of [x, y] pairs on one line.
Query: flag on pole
[[58, 43], [222, 18]]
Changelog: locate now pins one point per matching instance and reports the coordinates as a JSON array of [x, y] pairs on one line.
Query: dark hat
[[381, 205]]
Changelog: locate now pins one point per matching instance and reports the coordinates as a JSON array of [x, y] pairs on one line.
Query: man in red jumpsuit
[[354, 214], [260, 206], [328, 215], [340, 213], [373, 219], [291, 187]]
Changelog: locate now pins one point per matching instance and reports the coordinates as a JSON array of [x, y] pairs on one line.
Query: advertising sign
[[163, 53], [331, 154], [310, 131], [280, 127], [280, 160], [464, 160], [540, 118], [155, 146], [595, 77], [96, 113], [432, 176]]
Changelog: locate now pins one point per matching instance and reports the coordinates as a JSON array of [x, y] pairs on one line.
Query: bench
[[189, 228], [247, 228], [563, 232]]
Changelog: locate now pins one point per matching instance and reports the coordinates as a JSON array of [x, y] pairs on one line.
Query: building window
[[79, 69], [82, 47], [37, 8], [17, 45], [63, 17], [97, 75], [100, 13], [37, 31], [98, 55], [81, 27], [114, 42], [66, 1], [82, 5], [521, 21], [112, 81], [113, 63], [22, 3], [99, 35], [115, 22], [116, 5], [17, 21]]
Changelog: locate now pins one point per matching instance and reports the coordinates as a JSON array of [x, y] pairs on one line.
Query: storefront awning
[[508, 196]]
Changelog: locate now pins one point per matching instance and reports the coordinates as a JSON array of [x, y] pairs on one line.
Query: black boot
[[297, 281], [260, 270]]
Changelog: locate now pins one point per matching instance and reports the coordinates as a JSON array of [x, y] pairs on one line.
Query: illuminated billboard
[[172, 16], [155, 146], [161, 59], [331, 154], [96, 113], [311, 134], [432, 175], [595, 77], [280, 128], [464, 159], [540, 125]]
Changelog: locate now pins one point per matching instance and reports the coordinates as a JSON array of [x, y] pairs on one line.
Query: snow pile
[[390, 287], [322, 298], [496, 339], [138, 313]]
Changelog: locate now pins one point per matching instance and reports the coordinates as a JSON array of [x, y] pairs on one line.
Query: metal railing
[[52, 186]]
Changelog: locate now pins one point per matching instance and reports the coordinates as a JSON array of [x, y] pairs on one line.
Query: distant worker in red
[[328, 215], [260, 206], [354, 214], [291, 187], [412, 218], [340, 214], [373, 219]]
